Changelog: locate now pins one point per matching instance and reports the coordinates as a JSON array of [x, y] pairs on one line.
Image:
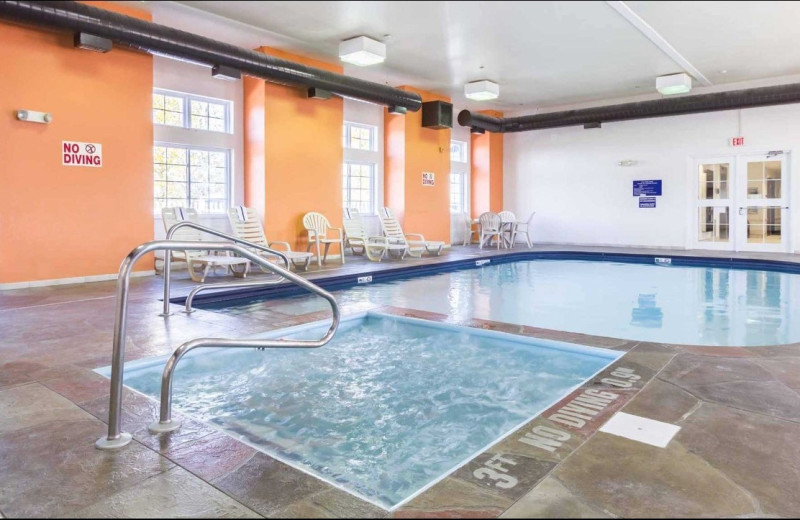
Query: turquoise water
[[678, 305], [386, 408]]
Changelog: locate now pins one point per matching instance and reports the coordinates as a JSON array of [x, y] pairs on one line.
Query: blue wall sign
[[647, 202], [651, 188]]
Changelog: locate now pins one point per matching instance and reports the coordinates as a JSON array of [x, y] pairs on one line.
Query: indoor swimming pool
[[387, 408], [665, 304]]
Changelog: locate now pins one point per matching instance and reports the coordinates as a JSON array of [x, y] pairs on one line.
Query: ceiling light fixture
[[482, 90], [362, 51], [674, 84]]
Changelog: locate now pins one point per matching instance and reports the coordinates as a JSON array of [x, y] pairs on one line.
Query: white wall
[[461, 133], [195, 79], [571, 178], [368, 114]]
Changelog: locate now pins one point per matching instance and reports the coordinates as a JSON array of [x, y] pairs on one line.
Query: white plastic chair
[[491, 226], [199, 259], [525, 228], [375, 247], [415, 243], [318, 226], [247, 226], [468, 229], [509, 221]]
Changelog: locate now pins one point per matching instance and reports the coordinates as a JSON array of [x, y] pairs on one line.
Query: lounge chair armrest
[[378, 240], [282, 244], [412, 235]]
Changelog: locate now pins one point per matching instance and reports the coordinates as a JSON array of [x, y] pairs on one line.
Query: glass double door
[[742, 203]]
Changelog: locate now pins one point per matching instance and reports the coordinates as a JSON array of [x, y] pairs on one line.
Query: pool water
[[389, 406], [665, 304]]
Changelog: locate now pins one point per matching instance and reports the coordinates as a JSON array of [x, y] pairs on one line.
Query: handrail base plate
[[159, 427], [103, 443]]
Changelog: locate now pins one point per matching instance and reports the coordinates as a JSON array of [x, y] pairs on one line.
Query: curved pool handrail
[[165, 422], [224, 285], [236, 240], [116, 438]]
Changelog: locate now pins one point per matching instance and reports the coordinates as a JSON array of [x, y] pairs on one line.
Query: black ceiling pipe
[[754, 97], [173, 43]]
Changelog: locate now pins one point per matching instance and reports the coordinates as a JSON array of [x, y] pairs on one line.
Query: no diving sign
[[74, 153]]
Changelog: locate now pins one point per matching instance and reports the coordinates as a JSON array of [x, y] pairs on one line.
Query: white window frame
[[461, 203], [462, 157], [373, 136], [189, 147], [187, 115], [373, 167], [460, 167]]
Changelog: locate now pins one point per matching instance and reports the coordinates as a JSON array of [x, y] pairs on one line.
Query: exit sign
[[736, 141]]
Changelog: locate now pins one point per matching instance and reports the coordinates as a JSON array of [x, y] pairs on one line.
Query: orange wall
[[254, 98], [394, 163], [410, 150], [58, 221], [487, 171], [300, 146]]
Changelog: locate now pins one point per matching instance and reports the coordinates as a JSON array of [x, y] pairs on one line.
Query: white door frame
[[730, 202], [743, 202], [737, 198]]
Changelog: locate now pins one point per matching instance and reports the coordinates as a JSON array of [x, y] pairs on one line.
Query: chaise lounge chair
[[375, 247], [246, 225], [199, 263], [415, 243]]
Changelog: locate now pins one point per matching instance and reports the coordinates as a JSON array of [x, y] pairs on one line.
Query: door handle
[[741, 211]]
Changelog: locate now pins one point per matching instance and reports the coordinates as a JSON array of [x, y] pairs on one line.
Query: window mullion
[[188, 197]]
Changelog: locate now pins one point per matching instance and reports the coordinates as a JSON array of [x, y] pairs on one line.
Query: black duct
[[755, 97], [173, 43]]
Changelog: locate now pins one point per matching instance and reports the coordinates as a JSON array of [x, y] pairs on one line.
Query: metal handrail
[[186, 223], [117, 438], [224, 285]]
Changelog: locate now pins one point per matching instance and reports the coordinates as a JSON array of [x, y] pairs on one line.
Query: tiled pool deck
[[737, 453]]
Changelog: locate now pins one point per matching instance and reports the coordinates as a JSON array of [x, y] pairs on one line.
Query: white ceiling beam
[[658, 40]]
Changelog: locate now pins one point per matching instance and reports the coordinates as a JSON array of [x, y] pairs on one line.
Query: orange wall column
[[410, 150], [487, 171], [73, 221], [293, 154]]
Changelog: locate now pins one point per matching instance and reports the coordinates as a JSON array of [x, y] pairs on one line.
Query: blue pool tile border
[[345, 281]]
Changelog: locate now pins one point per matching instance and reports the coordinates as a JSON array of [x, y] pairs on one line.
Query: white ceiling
[[543, 54]]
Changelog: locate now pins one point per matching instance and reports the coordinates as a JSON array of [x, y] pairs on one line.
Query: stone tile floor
[[737, 453]]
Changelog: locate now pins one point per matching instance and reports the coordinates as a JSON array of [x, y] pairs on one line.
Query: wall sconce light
[[31, 116], [626, 162]]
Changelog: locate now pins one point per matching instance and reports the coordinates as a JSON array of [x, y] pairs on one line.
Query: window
[[167, 109], [358, 186], [207, 115], [191, 176], [456, 192], [359, 137], [458, 151], [188, 111]]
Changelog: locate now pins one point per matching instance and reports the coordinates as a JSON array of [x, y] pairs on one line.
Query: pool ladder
[[117, 438]]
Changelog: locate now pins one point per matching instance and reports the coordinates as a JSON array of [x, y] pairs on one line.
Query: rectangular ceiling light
[[481, 90], [674, 84], [362, 51]]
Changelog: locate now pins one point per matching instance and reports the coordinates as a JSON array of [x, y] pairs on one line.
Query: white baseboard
[[67, 281]]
